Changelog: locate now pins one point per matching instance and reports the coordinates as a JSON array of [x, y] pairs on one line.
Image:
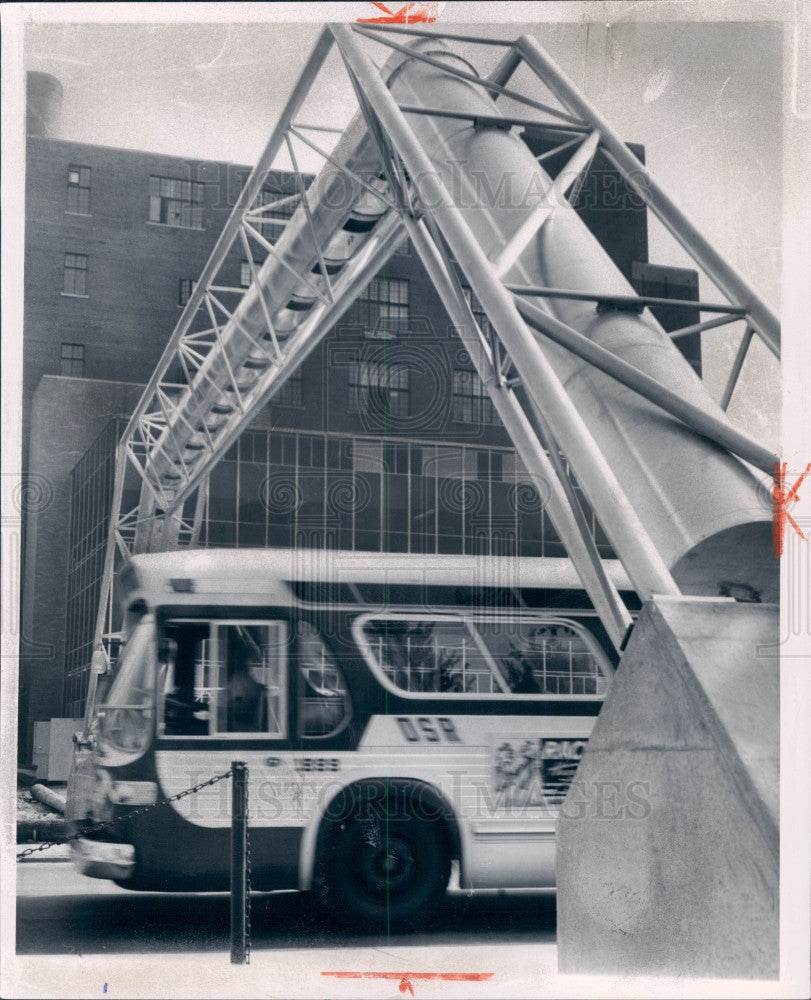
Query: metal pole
[[713, 428], [397, 29], [503, 72], [639, 178], [106, 582], [239, 863], [504, 121], [737, 312], [200, 511], [737, 365], [710, 324], [627, 534]]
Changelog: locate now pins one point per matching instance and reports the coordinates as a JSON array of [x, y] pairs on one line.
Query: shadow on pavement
[[181, 923]]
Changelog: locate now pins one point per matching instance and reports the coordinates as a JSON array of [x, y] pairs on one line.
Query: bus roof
[[231, 575]]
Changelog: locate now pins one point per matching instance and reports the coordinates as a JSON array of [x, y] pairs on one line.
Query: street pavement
[[81, 937], [60, 911], [88, 937]]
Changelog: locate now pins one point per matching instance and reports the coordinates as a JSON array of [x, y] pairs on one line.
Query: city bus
[[397, 714]]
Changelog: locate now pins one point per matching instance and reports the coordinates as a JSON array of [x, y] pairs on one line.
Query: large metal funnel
[[703, 508]]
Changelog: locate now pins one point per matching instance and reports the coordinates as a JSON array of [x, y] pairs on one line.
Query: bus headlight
[[126, 728], [100, 806]]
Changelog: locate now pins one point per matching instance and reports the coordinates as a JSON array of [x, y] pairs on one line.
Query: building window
[[75, 276], [245, 273], [184, 289], [383, 308], [78, 190], [268, 197], [478, 313], [471, 404], [379, 389], [71, 361], [174, 202], [272, 222], [292, 392]]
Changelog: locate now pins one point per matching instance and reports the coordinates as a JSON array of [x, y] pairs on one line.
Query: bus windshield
[[126, 714]]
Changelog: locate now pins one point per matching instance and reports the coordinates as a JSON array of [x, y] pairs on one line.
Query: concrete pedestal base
[[668, 840]]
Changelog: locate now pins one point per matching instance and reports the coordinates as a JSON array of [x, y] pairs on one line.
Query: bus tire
[[382, 872]]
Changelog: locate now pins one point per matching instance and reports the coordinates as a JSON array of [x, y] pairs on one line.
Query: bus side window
[[323, 700], [430, 655], [550, 657]]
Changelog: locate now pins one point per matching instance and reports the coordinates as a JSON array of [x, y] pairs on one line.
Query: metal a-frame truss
[[250, 340]]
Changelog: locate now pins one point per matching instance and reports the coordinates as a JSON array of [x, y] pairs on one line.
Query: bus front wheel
[[381, 872]]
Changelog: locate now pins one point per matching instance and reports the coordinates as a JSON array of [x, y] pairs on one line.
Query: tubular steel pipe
[[629, 537], [641, 180], [399, 29], [735, 371], [625, 300], [496, 119], [503, 72], [106, 586], [710, 324], [702, 422]]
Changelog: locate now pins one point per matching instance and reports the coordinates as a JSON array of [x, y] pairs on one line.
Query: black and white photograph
[[406, 499]]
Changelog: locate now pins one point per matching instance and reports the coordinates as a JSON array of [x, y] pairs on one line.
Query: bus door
[[267, 691]]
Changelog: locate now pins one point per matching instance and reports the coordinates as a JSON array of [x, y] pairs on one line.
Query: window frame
[[246, 272], [74, 270], [376, 299], [72, 358], [468, 619], [181, 302], [272, 224], [360, 392], [215, 623], [480, 400], [78, 188], [478, 311], [161, 202]]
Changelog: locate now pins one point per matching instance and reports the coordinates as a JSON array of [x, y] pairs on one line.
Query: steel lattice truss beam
[[250, 340]]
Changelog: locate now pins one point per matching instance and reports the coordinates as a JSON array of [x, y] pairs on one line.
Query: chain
[[136, 812]]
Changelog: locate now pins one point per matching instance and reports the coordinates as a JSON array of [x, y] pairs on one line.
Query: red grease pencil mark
[[782, 501], [406, 978], [409, 13]]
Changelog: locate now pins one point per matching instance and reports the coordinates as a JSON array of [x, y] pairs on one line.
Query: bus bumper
[[103, 860]]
